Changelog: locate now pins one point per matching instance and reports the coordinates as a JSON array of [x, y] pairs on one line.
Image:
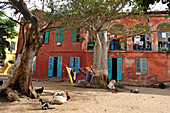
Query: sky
[[158, 7]]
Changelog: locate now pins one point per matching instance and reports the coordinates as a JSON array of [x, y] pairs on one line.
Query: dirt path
[[90, 100]]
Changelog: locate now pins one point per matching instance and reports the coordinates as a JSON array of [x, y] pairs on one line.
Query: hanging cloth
[[159, 35], [163, 35], [82, 71]]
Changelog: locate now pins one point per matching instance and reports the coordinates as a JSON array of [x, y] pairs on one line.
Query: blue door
[[109, 63], [59, 67], [50, 66], [119, 68]]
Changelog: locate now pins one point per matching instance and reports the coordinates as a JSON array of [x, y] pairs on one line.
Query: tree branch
[[12, 19]]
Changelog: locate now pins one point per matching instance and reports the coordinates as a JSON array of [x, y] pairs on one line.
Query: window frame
[[143, 61]]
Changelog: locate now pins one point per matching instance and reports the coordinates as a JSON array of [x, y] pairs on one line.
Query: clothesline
[[64, 64]]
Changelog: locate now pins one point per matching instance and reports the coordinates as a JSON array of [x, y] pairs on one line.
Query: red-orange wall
[[158, 63]]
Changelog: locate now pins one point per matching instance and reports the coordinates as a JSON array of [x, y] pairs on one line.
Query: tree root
[[96, 82], [12, 94], [100, 81]]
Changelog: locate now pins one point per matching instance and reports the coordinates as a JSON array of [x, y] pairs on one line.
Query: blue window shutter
[[77, 64], [59, 67], [57, 33], [138, 68], [109, 63], [119, 68], [50, 66], [46, 37], [61, 38], [144, 65], [159, 35], [34, 66], [71, 62], [60, 35], [74, 35]]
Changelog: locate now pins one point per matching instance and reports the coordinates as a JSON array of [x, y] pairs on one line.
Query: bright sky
[[158, 7]]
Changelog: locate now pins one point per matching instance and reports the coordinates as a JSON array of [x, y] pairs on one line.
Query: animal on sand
[[45, 105], [39, 91]]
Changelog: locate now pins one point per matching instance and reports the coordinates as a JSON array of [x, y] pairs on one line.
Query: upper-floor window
[[76, 37], [141, 42], [59, 35], [164, 36], [142, 39], [118, 32], [118, 44], [46, 37], [90, 41]]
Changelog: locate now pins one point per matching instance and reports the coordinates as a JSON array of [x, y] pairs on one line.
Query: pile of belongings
[[72, 73], [60, 97]]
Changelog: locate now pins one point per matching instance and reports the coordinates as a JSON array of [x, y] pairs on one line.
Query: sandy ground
[[90, 100]]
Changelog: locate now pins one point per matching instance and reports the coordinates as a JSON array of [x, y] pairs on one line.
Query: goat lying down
[[60, 97]]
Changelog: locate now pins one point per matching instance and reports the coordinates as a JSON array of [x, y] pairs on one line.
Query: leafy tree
[[91, 15], [94, 16], [6, 31]]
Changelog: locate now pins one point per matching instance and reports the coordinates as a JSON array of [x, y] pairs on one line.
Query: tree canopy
[[6, 31]]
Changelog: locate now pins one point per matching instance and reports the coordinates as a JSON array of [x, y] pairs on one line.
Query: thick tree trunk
[[21, 72], [100, 79]]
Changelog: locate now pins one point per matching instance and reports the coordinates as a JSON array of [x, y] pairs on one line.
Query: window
[[118, 44], [142, 42], [141, 66], [76, 37], [59, 35], [90, 41], [90, 45], [2, 63], [46, 37], [75, 63], [12, 45], [164, 41], [163, 36]]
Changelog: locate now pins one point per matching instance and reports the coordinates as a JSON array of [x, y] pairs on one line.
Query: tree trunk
[[100, 79], [22, 70]]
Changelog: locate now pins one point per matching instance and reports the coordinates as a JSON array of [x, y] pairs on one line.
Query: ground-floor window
[[55, 67], [75, 63], [1, 63], [141, 66]]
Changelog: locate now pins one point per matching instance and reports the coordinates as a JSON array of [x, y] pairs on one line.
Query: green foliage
[[145, 3], [6, 31]]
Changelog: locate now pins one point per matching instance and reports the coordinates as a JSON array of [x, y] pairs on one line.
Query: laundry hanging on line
[[82, 71]]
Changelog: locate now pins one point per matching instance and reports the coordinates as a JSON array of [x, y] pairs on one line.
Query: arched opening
[[163, 32], [141, 37], [118, 32]]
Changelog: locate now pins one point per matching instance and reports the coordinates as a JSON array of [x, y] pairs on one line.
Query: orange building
[[143, 58]]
